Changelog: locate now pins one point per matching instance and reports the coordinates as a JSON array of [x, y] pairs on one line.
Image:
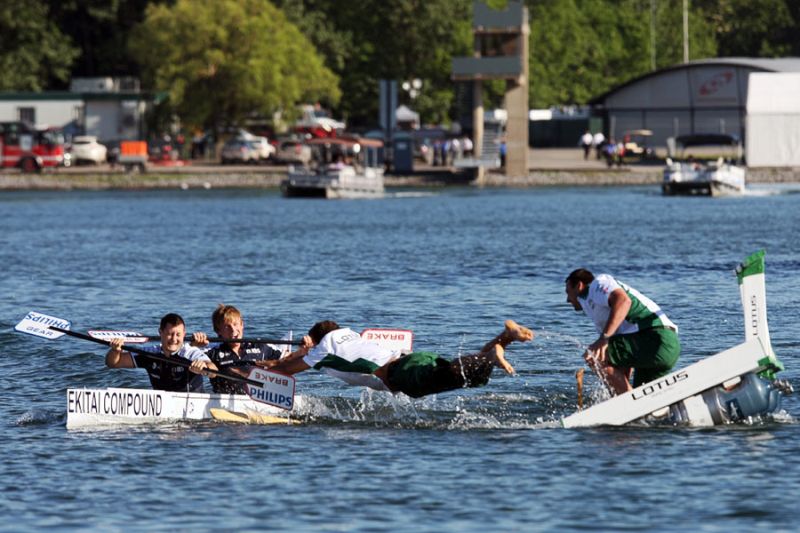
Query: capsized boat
[[738, 384], [116, 406], [695, 175], [342, 167]]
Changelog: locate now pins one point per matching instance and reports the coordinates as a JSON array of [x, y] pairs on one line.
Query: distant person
[[503, 153], [610, 152], [342, 353], [468, 147], [338, 162], [586, 143], [635, 334], [165, 376], [599, 141]]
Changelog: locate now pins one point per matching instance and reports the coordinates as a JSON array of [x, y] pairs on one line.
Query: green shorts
[[421, 373], [651, 352]]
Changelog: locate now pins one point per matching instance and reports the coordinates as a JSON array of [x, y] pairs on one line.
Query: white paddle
[[262, 385]]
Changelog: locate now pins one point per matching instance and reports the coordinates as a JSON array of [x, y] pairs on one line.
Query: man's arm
[[620, 303], [116, 358], [289, 366]]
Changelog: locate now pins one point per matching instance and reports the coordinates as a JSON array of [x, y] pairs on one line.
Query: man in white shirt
[[635, 334], [342, 353]]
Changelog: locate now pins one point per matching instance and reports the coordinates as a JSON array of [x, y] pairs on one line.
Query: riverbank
[[557, 167]]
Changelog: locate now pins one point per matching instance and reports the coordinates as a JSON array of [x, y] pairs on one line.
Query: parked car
[[263, 147], [239, 151], [293, 152], [86, 149]]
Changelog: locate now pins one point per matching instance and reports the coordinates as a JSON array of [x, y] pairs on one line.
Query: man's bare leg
[[615, 379], [512, 332], [500, 360]]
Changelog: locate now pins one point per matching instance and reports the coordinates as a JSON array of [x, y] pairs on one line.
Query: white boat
[[692, 174], [734, 385], [344, 167], [117, 406]]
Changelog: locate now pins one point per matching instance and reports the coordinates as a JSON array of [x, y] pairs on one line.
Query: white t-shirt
[[343, 354], [643, 314]]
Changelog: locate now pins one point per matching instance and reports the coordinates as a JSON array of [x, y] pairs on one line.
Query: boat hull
[[706, 188], [113, 406], [334, 184]]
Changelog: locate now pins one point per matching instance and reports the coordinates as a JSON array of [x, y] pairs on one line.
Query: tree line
[[222, 62]]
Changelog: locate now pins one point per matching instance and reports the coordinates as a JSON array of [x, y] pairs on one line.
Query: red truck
[[28, 148]]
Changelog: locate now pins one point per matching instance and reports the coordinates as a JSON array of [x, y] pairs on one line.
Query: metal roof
[[780, 64]]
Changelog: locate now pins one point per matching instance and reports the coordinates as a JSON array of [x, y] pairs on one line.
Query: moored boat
[[118, 406], [695, 175], [345, 167]]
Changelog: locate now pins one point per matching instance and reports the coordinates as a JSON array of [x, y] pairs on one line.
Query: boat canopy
[[345, 142]]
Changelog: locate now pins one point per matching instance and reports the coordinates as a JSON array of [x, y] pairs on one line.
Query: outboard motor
[[733, 401]]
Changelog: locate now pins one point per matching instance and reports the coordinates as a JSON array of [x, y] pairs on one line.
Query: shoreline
[[218, 177]]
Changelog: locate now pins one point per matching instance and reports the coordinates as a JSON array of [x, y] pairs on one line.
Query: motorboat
[[342, 167], [706, 173]]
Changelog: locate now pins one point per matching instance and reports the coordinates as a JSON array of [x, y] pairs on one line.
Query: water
[[451, 266]]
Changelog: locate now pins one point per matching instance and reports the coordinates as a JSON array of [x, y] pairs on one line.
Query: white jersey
[[643, 314], [343, 354]]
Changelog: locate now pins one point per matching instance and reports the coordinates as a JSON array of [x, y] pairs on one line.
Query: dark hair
[[320, 329], [580, 274], [171, 319]]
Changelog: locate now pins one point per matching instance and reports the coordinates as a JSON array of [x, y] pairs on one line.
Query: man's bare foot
[[500, 360], [517, 333]]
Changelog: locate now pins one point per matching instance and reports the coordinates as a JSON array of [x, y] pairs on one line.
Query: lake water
[[450, 265]]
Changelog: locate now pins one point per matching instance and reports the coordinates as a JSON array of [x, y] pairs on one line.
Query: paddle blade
[[39, 325], [397, 340], [275, 389], [131, 337]]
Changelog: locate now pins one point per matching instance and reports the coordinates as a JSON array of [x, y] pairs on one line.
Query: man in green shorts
[[635, 334], [342, 353]]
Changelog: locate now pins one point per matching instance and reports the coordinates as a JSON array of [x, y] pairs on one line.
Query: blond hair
[[222, 314]]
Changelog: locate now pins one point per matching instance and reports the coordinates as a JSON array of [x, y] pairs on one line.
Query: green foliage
[[754, 28], [221, 61], [33, 52], [582, 48], [369, 40]]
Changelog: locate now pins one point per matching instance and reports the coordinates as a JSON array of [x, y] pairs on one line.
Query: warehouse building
[[703, 96]]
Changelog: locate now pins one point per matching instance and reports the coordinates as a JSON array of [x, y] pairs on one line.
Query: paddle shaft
[[156, 357], [254, 340]]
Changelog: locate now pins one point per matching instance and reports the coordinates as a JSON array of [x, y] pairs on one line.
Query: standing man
[[164, 376], [342, 353], [635, 334], [586, 143], [598, 141]]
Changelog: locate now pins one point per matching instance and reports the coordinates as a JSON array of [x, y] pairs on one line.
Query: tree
[[33, 52], [222, 61], [370, 40], [580, 49], [754, 28], [100, 28]]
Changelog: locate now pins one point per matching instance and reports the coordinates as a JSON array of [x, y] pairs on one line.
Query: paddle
[[138, 338], [261, 385]]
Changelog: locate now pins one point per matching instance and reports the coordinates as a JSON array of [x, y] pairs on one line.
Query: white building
[[773, 120], [108, 108]]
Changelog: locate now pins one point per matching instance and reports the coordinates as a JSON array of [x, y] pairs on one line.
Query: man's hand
[[199, 339], [598, 349], [200, 366]]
